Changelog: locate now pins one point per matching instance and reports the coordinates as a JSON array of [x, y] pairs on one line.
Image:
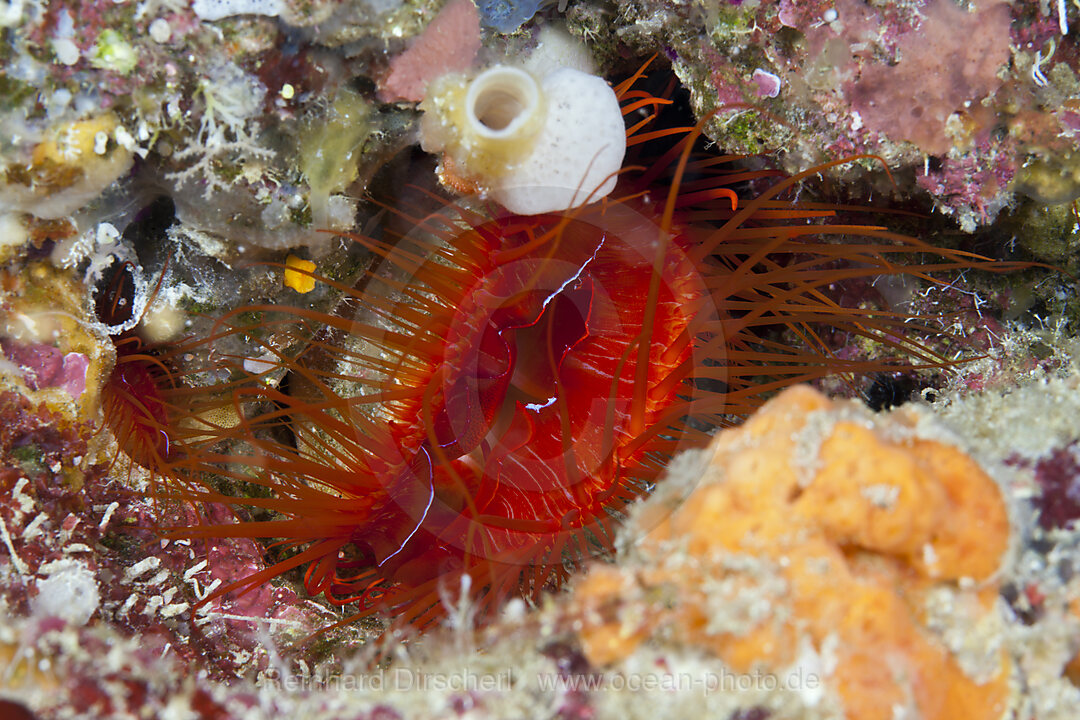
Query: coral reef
[[172, 172], [815, 81], [226, 121], [81, 550]]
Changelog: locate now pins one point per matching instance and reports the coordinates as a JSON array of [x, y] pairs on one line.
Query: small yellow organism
[[67, 169], [295, 276]]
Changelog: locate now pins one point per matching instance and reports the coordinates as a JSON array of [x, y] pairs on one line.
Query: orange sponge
[[818, 522]]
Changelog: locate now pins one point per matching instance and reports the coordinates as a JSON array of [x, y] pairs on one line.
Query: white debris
[[141, 568], [194, 570], [218, 9], [160, 31], [173, 610], [20, 566], [25, 500], [108, 515], [161, 577], [129, 603], [69, 592], [33, 529]]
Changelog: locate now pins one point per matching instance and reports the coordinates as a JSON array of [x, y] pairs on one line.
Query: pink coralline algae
[[1058, 475], [44, 366], [1070, 122], [949, 63], [900, 80], [449, 44], [74, 534], [766, 83], [231, 561], [728, 83], [975, 181]]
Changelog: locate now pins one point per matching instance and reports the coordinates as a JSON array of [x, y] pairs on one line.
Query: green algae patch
[[331, 149]]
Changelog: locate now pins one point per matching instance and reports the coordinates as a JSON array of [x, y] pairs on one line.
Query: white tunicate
[[543, 135], [500, 102], [577, 152]]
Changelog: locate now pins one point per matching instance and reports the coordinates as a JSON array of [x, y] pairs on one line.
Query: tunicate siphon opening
[[498, 108], [501, 101]]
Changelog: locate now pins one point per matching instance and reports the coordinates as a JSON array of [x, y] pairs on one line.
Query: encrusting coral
[[51, 352], [817, 530]]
